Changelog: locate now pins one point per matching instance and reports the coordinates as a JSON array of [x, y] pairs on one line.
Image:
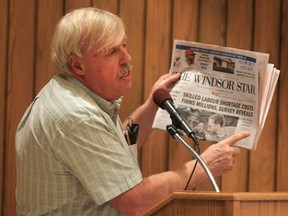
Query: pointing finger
[[235, 138]]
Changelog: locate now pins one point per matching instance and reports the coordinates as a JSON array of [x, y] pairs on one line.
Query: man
[[72, 157], [190, 115], [216, 129], [190, 60], [190, 56], [199, 131]]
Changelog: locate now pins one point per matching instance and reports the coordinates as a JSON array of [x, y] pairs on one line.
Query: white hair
[[80, 30]]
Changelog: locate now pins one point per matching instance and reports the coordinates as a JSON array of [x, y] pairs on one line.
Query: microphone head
[[160, 96]]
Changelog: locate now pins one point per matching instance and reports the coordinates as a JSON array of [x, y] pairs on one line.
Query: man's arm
[[145, 114], [219, 158]]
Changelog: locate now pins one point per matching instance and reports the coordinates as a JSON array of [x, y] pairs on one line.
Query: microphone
[[163, 99]]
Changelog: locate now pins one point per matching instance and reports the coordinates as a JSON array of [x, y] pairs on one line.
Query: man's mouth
[[124, 73], [125, 70]]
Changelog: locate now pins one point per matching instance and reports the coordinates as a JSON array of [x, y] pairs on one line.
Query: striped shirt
[[71, 154]]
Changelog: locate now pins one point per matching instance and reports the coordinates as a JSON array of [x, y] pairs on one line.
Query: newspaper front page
[[220, 91]]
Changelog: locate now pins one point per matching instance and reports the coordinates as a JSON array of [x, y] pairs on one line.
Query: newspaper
[[221, 91]]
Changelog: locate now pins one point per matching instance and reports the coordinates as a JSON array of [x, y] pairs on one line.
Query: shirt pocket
[[133, 152]]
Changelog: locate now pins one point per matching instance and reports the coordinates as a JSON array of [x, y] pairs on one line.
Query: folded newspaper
[[221, 91]]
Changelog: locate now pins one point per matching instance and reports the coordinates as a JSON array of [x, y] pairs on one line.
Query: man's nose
[[125, 56]]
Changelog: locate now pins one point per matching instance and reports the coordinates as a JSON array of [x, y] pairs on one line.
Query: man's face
[[190, 59], [200, 127], [212, 127], [108, 74], [192, 118]]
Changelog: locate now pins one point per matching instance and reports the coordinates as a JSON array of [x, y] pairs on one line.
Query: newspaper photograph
[[221, 91]]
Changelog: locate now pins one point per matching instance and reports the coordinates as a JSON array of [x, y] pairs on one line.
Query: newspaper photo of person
[[190, 115], [200, 132], [190, 56]]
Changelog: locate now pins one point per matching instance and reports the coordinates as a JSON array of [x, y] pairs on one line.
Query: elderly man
[[72, 157]]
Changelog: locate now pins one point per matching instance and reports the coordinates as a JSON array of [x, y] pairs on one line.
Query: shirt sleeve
[[94, 154]]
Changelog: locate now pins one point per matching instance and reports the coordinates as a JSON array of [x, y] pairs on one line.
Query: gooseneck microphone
[[163, 99]]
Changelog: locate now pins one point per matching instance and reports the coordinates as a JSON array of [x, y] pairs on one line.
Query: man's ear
[[76, 65]]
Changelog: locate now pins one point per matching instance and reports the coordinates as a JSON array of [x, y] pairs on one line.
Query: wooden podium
[[196, 203]]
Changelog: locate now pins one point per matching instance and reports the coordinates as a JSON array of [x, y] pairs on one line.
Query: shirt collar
[[110, 107]]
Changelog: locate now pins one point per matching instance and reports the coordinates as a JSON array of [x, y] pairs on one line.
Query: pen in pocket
[[131, 132]]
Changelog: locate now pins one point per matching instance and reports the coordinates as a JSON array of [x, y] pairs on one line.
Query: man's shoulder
[[66, 104]]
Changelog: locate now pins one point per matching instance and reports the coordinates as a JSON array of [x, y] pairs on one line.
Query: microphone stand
[[175, 134]]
